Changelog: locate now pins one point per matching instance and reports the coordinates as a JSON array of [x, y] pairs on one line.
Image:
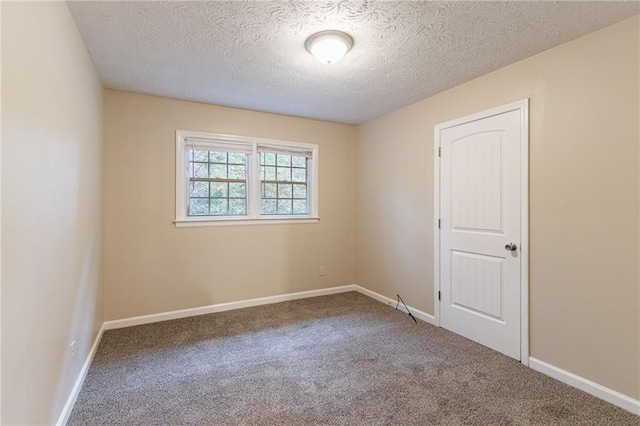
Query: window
[[223, 179], [217, 182], [283, 181]]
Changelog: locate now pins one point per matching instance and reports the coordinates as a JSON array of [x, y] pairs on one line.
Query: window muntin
[[283, 184], [217, 183], [227, 180]]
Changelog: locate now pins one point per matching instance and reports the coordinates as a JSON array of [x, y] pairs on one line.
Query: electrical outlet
[[322, 271], [72, 351]]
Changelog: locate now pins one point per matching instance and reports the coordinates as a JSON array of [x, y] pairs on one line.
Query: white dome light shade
[[329, 46]]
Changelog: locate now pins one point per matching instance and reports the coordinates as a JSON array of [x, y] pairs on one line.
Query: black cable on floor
[[405, 306]]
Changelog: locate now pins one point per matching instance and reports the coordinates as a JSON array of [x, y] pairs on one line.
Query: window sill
[[271, 220]]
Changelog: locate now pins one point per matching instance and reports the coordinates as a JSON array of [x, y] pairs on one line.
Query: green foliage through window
[[283, 184], [217, 183]]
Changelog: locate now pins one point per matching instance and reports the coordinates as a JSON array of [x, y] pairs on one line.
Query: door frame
[[523, 107]]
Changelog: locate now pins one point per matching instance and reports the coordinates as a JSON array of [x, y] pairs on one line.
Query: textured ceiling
[[251, 54]]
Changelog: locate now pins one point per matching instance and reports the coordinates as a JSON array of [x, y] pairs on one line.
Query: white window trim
[[253, 216]]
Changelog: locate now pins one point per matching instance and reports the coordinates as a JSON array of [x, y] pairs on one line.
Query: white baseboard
[[73, 396], [210, 309], [428, 318], [221, 307], [571, 379], [595, 389]]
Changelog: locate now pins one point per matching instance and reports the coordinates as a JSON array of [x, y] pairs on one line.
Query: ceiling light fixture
[[329, 46]]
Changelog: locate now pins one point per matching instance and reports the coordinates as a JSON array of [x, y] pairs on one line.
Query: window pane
[[269, 173], [236, 172], [218, 183], [236, 158], [199, 170], [237, 190], [284, 160], [219, 206], [237, 207], [219, 189], [284, 207], [268, 158], [218, 157], [218, 171], [199, 189], [198, 207], [269, 190], [284, 174], [299, 191], [199, 155], [288, 169], [299, 175], [269, 207], [284, 190], [300, 206], [299, 161]]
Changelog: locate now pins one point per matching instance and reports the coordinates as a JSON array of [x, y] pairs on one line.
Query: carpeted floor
[[340, 359]]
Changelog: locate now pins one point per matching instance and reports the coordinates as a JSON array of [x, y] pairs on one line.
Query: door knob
[[511, 247]]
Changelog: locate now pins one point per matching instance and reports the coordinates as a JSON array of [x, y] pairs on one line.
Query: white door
[[480, 229]]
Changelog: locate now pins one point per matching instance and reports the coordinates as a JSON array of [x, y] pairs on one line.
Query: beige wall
[[151, 266], [51, 209], [584, 192]]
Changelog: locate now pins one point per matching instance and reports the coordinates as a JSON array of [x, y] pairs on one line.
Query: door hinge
[[438, 223], [439, 296], [439, 152]]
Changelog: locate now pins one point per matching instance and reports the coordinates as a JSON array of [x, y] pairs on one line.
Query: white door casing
[[481, 193]]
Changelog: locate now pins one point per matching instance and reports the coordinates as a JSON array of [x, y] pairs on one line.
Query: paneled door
[[481, 228]]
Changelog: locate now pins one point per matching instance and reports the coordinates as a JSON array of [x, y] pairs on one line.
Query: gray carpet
[[340, 359]]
